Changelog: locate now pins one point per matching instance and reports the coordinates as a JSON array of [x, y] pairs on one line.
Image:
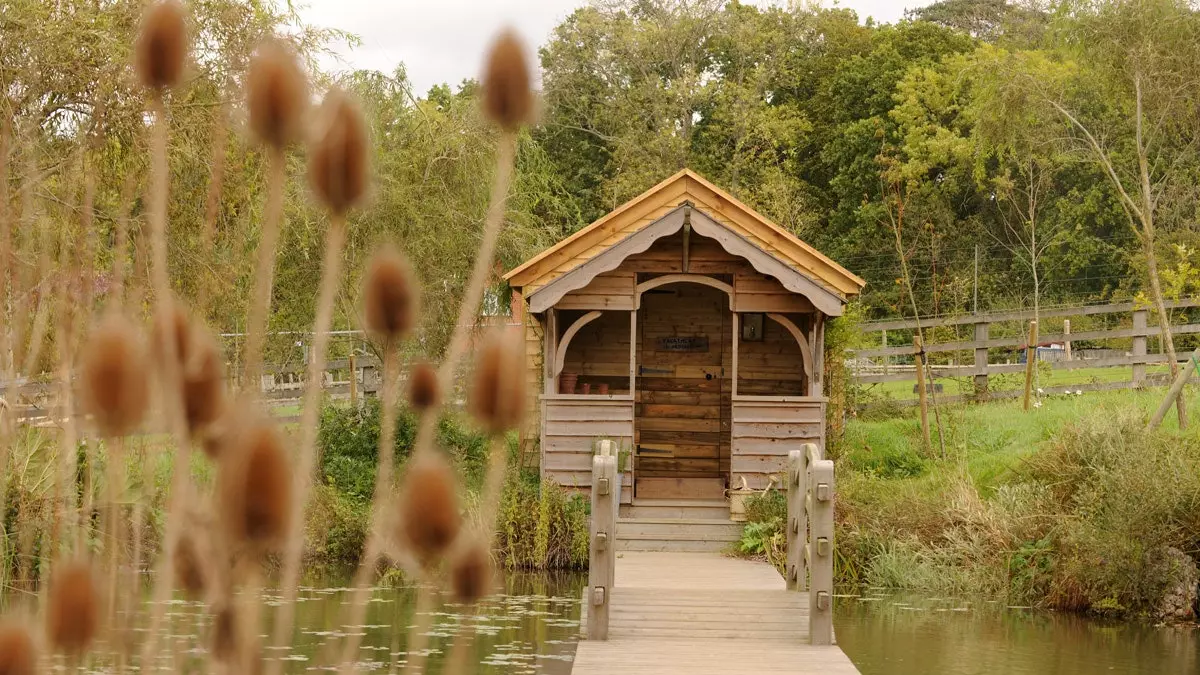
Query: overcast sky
[[444, 40]]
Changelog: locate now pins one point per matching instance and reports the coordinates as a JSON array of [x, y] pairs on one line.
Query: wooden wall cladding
[[571, 429], [764, 432], [773, 366], [609, 291], [599, 352]]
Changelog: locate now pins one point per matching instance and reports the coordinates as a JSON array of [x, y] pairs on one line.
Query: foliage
[[348, 438], [541, 526], [1075, 508], [764, 533]]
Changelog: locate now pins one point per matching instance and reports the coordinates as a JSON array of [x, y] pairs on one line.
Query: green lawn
[[989, 439]]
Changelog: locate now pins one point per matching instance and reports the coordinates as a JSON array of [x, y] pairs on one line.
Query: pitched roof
[[643, 210]]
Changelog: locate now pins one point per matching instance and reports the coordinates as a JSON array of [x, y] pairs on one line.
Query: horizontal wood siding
[[599, 352], [571, 429], [755, 292], [611, 290], [773, 366], [764, 432]]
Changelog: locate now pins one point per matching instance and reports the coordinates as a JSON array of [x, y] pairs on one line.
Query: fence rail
[[37, 401], [810, 500], [874, 365]]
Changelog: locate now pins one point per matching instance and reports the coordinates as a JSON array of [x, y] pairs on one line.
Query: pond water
[[900, 635], [533, 627]]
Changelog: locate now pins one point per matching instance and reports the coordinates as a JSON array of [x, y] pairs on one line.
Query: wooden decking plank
[[701, 614]]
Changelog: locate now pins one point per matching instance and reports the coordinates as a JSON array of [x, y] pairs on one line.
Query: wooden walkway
[[704, 614]]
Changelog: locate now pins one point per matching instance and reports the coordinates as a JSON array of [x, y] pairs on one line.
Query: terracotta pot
[[566, 382], [603, 389], [587, 388]]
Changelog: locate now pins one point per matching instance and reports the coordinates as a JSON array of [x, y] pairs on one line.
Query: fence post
[[1140, 317], [1030, 360], [353, 381], [820, 501], [797, 518], [981, 362], [1067, 338], [601, 553], [922, 394], [886, 359]]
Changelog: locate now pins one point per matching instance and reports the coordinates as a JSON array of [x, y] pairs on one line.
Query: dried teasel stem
[[264, 273], [170, 380], [338, 169], [212, 208], [505, 157], [121, 243], [331, 270], [383, 484]]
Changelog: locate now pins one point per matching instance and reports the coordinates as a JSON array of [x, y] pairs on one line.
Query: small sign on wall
[[683, 344]]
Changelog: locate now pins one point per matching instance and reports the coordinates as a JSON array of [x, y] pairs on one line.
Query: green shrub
[[541, 526], [336, 528], [765, 507]]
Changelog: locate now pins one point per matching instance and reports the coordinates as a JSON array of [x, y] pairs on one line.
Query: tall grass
[[1074, 507]]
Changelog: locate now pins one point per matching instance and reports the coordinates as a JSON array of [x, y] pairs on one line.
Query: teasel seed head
[[507, 93], [114, 386], [224, 632], [429, 519], [471, 570], [72, 608], [162, 45], [191, 575], [201, 368], [255, 485], [338, 162], [390, 297], [424, 391], [276, 95], [18, 653], [497, 396]]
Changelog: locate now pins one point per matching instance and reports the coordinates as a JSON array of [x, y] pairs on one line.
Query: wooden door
[[683, 393]]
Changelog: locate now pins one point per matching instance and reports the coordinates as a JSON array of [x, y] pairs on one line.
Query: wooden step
[[658, 545], [717, 509], [687, 528]]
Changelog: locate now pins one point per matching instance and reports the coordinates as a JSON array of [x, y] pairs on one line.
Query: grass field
[[991, 439]]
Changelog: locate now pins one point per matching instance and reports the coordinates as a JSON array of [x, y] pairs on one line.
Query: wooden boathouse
[[676, 348], [687, 329]]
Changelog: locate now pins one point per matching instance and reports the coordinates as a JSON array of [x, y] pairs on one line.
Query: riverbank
[[1070, 506]]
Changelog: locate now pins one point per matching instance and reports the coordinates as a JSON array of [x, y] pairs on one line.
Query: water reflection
[[901, 635], [531, 629]]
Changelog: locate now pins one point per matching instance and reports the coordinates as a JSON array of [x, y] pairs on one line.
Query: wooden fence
[[974, 360], [38, 401]]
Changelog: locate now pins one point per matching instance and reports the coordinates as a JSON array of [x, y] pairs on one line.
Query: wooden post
[[981, 361], [606, 489], [1030, 361], [1140, 317], [820, 501], [886, 358], [737, 329], [922, 393], [797, 518], [1176, 388], [353, 381], [1067, 338]]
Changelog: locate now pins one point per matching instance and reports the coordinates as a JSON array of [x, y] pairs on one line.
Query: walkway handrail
[[602, 553], [810, 489]]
